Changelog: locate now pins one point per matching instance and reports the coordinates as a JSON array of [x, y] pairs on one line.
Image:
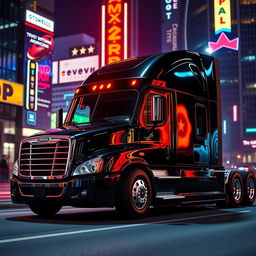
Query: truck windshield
[[113, 107]]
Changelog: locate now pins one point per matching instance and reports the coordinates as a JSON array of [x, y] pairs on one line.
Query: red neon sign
[[184, 127], [114, 31]]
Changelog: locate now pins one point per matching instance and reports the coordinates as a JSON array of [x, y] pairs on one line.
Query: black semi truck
[[142, 132]]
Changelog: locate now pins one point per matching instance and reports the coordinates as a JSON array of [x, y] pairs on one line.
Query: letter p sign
[[11, 92], [7, 91]]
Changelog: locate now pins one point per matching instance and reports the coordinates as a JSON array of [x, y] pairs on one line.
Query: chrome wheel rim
[[237, 189], [139, 194], [251, 189]]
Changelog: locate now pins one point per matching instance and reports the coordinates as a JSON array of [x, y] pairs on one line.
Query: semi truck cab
[[142, 132]]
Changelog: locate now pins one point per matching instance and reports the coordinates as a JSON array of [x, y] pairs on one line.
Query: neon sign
[[38, 50], [184, 127], [222, 16], [222, 23], [114, 31], [251, 143], [223, 41]]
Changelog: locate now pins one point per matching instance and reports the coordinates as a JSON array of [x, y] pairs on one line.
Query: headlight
[[90, 166], [15, 168]]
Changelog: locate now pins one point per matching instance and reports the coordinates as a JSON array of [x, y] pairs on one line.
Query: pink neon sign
[[223, 41], [235, 113]]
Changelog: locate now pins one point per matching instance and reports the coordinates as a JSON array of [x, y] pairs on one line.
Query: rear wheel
[[249, 183], [134, 194], [45, 210], [235, 190]]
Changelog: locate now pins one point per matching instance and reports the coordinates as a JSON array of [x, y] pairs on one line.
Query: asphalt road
[[197, 230]]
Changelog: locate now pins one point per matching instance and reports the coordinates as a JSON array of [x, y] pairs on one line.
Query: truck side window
[[201, 121]]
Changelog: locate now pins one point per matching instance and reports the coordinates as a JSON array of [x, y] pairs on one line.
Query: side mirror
[[157, 115], [59, 118]]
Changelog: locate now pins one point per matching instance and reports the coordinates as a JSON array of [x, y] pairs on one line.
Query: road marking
[[18, 239], [245, 211]]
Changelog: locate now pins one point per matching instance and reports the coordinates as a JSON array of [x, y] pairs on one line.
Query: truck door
[[156, 138]]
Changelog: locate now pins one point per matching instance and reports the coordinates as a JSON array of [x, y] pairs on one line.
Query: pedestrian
[[4, 169]]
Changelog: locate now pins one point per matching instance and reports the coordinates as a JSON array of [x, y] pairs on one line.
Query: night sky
[[84, 16]]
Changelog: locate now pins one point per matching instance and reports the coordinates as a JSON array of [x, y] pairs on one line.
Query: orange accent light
[[77, 90], [101, 87], [134, 82], [94, 87], [109, 86], [184, 127], [141, 154]]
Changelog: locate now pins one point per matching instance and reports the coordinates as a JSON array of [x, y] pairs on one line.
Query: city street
[[137, 107], [191, 230]]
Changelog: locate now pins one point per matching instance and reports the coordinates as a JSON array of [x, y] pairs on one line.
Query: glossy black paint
[[185, 149]]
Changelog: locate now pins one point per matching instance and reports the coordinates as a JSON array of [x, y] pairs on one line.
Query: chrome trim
[[167, 177], [45, 185], [56, 138]]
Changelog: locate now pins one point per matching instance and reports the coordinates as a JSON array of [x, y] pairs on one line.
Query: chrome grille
[[44, 157]]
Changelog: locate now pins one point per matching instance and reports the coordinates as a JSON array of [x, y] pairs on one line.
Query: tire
[[234, 190], [45, 210], [249, 190], [134, 195]]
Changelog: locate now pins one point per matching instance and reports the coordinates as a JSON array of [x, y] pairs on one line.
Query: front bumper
[[79, 191]]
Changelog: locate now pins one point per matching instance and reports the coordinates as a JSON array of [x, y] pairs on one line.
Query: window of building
[[9, 127]]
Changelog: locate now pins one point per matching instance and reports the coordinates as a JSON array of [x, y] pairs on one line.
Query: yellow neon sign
[[222, 16]]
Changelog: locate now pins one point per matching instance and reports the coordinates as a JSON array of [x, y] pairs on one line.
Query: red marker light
[[108, 86], [77, 90], [134, 82], [101, 87], [94, 87]]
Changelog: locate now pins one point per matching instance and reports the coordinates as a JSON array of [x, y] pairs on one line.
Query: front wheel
[[45, 210], [134, 194]]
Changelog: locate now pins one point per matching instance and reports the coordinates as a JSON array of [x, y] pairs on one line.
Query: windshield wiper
[[72, 123], [105, 119]]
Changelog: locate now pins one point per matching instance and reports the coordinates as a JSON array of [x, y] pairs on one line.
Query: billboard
[[222, 25], [11, 92], [38, 49], [173, 24], [114, 31], [78, 69]]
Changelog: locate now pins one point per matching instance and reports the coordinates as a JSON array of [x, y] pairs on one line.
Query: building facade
[[10, 71], [12, 89]]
